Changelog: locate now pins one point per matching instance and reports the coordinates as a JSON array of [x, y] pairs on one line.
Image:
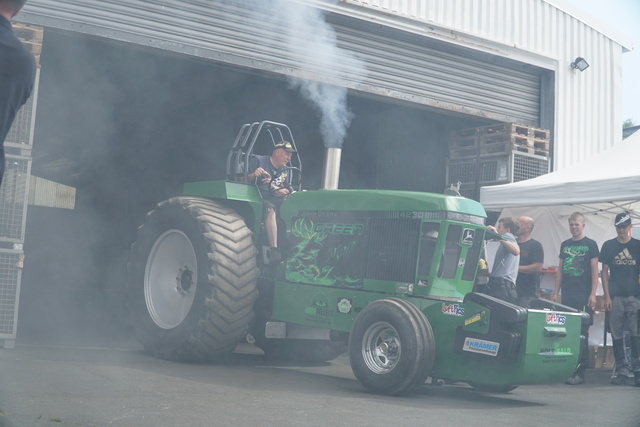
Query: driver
[[273, 180]]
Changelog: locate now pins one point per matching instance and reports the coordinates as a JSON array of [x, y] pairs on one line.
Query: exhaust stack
[[331, 171]]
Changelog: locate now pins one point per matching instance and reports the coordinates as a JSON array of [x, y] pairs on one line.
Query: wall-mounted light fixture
[[579, 64]]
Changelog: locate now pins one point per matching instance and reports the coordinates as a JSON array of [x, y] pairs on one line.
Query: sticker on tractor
[[468, 235], [561, 351], [556, 319], [326, 253], [404, 288], [345, 306], [473, 345], [453, 309], [318, 309], [473, 319]]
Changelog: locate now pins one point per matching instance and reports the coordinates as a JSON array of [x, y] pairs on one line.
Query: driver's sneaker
[[576, 379]]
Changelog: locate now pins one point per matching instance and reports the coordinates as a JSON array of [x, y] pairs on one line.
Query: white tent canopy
[[610, 181]]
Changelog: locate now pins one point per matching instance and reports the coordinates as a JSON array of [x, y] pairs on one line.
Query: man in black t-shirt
[[531, 259], [578, 278], [17, 72], [620, 259]]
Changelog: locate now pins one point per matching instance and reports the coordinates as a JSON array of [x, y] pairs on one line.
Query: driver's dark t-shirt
[[279, 178]]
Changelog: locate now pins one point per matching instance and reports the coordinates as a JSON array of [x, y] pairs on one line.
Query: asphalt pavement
[[98, 386]]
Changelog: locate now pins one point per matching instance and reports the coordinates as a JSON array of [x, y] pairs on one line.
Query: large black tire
[[192, 280], [391, 347]]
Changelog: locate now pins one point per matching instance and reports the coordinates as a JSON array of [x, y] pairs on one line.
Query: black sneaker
[[619, 379], [576, 379]]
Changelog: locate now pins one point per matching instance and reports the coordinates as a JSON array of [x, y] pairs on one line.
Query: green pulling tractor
[[386, 275]]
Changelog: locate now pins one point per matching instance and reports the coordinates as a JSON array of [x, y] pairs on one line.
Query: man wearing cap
[[271, 176], [577, 276], [620, 259]]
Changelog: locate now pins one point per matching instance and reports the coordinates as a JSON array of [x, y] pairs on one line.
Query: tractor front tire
[[391, 347], [192, 280]]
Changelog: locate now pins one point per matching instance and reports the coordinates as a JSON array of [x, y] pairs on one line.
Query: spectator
[[17, 72], [620, 259], [502, 279], [577, 277], [531, 258]]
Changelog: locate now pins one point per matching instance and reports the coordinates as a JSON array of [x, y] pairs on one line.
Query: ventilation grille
[[393, 250]]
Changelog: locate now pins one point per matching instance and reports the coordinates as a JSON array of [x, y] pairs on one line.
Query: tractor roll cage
[[261, 133]]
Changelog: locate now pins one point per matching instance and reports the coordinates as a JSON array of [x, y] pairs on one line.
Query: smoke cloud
[[311, 39], [322, 66]]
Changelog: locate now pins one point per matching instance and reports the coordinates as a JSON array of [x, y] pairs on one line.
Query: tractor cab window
[[473, 255], [451, 254], [428, 241]]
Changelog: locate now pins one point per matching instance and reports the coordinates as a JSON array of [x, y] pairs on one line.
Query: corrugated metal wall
[[398, 64], [544, 33], [548, 33]]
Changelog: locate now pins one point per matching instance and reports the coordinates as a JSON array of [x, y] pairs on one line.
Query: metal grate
[[463, 172], [489, 171], [9, 280], [509, 167], [13, 198], [527, 166], [20, 132], [393, 250]]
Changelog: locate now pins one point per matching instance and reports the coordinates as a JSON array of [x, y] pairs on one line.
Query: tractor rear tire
[[192, 280], [391, 347]]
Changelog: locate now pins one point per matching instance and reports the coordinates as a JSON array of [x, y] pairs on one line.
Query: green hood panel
[[408, 203]]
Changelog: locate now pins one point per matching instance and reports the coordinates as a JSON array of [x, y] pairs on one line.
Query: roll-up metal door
[[398, 65]]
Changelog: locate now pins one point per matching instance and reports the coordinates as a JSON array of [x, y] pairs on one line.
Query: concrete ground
[[121, 386]]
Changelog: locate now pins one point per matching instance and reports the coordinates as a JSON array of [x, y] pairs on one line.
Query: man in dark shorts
[[531, 259], [273, 180], [17, 72], [577, 276], [620, 259]]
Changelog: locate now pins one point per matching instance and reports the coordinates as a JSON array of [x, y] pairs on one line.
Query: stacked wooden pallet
[[31, 36], [496, 139]]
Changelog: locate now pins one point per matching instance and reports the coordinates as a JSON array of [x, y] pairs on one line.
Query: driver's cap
[[286, 146]]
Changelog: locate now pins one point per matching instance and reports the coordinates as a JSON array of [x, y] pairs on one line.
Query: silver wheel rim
[[381, 348], [170, 279]]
